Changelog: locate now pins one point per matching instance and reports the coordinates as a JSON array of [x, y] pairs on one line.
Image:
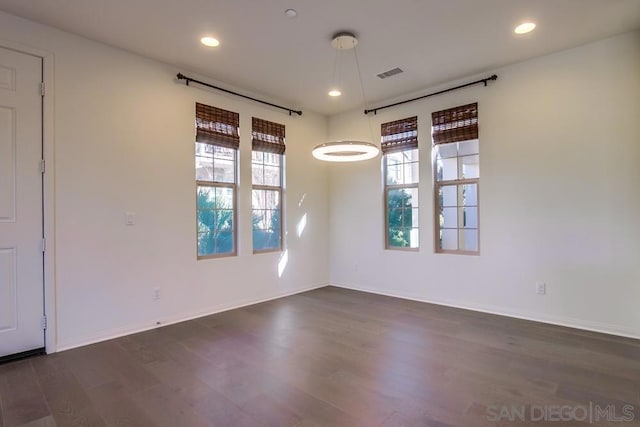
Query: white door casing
[[21, 257]]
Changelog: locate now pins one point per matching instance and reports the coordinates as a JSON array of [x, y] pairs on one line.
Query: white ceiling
[[262, 51]]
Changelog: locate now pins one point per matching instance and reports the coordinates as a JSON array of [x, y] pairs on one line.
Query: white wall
[[559, 196], [124, 133]]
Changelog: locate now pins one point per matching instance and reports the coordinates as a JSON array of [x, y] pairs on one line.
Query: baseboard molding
[[109, 335], [602, 328]]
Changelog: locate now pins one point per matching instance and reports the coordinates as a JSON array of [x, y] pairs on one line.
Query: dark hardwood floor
[[330, 357]]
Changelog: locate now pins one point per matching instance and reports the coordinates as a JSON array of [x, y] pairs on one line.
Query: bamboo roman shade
[[399, 135], [267, 136], [455, 124], [216, 126]]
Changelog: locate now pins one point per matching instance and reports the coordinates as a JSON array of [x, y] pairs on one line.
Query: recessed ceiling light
[[209, 41], [524, 28], [335, 92], [290, 13]]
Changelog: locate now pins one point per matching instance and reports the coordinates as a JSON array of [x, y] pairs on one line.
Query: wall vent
[[390, 73]]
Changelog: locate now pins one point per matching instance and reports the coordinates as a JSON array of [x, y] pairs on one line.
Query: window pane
[[215, 220], [399, 237], [276, 220], [394, 173], [272, 199], [206, 244], [211, 243], [395, 158], [411, 197], [470, 195], [402, 217], [204, 150], [224, 242], [469, 217], [259, 238], [258, 199], [414, 218], [410, 155], [272, 159], [257, 174], [224, 220], [266, 230], [275, 240], [410, 173], [469, 240], [414, 238], [223, 153], [448, 195], [449, 239], [470, 166], [258, 219], [257, 157], [449, 217], [447, 169], [224, 171], [468, 147], [446, 150], [224, 198], [206, 197], [272, 176], [204, 168]]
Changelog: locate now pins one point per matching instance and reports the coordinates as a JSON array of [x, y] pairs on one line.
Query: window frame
[[280, 190], [436, 201], [386, 189]]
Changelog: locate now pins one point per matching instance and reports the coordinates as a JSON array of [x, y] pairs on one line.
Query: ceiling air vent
[[390, 73]]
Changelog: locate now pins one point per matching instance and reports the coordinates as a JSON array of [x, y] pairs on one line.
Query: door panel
[[7, 165], [21, 268], [8, 288]]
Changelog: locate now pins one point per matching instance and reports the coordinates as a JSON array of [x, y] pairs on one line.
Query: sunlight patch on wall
[[282, 264], [302, 224]]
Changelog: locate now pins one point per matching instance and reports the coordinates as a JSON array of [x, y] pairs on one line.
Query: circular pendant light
[[346, 151]]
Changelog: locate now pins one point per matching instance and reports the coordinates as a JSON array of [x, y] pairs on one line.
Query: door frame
[[48, 188]]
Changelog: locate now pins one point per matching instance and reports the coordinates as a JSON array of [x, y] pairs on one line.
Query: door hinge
[[44, 245], [43, 322], [41, 88], [42, 166]]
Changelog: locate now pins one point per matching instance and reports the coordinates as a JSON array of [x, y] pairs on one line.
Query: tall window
[[400, 164], [217, 142], [267, 157], [456, 156]]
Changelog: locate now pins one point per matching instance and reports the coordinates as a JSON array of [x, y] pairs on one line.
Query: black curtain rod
[[485, 81], [188, 80]]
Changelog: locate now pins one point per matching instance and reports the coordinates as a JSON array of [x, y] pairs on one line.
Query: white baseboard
[[586, 325], [108, 335], [571, 323]]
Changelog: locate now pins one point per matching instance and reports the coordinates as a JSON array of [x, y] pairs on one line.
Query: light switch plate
[[130, 218]]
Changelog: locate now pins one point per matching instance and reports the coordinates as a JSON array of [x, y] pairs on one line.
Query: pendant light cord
[[336, 64], [364, 98]]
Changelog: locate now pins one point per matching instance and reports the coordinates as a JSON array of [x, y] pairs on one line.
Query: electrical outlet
[[541, 288], [156, 294]]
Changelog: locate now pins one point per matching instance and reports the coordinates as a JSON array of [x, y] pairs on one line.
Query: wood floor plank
[[165, 408], [329, 357], [22, 398], [42, 422]]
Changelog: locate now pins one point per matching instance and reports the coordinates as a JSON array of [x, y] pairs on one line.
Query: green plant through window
[[401, 199]]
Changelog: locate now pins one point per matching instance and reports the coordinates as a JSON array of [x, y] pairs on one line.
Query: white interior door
[[21, 267]]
